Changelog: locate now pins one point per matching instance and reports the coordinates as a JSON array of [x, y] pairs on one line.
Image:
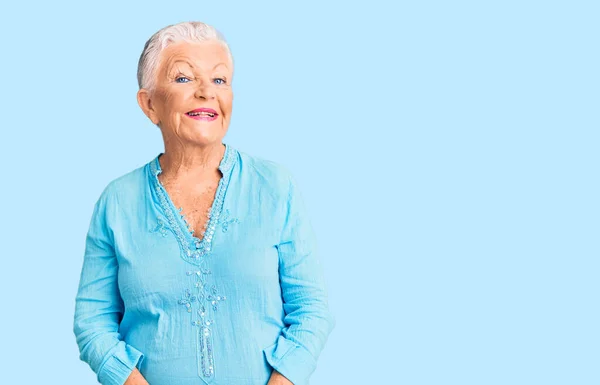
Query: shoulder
[[268, 172], [123, 187]]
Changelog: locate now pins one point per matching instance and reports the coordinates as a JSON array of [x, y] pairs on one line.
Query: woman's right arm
[[99, 306]]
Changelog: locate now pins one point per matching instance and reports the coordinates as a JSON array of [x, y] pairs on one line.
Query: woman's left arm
[[307, 318]]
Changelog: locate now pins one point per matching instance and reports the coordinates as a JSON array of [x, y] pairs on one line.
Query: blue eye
[[181, 77], [224, 81]]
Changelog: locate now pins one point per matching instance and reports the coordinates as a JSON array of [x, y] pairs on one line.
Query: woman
[[201, 265]]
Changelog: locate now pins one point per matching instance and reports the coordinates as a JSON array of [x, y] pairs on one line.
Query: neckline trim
[[226, 164], [192, 247]]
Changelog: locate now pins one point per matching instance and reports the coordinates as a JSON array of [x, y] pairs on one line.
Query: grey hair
[[190, 31]]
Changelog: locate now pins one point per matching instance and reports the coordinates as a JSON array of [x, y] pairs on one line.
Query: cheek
[[227, 103], [173, 102]]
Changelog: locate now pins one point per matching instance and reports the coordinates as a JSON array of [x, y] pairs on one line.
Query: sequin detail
[[200, 318], [202, 298], [206, 364], [161, 228], [193, 248], [187, 300], [225, 221]]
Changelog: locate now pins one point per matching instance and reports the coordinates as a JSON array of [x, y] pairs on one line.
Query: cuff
[[290, 359], [120, 364]]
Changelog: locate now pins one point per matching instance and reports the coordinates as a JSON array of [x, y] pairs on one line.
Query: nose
[[205, 90]]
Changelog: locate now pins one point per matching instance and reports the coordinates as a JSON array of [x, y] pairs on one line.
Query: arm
[[308, 319], [99, 307]]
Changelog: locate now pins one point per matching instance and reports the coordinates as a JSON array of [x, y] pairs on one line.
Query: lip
[[203, 117]]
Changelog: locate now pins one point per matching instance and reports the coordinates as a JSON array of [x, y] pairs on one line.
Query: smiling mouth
[[207, 115], [210, 114]]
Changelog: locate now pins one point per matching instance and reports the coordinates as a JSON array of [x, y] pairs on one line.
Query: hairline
[[192, 32]]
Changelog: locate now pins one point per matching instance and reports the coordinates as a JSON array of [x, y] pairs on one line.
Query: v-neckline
[[193, 247]]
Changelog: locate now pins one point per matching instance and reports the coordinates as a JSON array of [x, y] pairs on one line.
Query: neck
[[185, 162]]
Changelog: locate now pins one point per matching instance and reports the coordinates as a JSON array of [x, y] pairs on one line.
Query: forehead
[[198, 55]]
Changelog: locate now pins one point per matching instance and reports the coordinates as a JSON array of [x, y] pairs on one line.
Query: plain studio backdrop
[[448, 153]]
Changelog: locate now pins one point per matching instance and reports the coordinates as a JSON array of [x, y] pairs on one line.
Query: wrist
[[279, 379]]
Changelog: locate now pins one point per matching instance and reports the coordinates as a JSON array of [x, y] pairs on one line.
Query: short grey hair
[[190, 31]]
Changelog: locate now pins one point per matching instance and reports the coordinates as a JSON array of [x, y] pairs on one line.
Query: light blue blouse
[[224, 310]]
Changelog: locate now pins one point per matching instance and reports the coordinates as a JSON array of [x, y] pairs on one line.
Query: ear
[[145, 103]]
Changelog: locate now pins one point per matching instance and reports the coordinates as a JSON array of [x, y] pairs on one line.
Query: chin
[[206, 138]]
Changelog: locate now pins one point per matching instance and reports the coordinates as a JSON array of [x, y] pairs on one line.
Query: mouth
[[203, 114]]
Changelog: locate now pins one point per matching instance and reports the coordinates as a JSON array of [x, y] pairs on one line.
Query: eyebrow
[[191, 65]]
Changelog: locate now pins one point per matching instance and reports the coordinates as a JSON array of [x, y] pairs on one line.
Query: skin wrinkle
[[191, 65]]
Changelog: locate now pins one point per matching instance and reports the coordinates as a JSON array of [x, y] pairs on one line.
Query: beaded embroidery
[[160, 227], [225, 221], [193, 248], [204, 349], [194, 251]]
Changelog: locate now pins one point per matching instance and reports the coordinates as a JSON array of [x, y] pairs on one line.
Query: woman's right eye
[[181, 77]]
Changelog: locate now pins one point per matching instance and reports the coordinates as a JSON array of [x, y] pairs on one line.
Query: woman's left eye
[[223, 81], [181, 77]]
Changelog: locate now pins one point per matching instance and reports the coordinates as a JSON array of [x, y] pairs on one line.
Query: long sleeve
[[307, 317], [98, 304]]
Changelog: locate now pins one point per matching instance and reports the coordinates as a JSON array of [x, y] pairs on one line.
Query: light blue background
[[447, 152]]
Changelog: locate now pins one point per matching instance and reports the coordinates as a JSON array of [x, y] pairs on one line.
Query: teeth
[[201, 113]]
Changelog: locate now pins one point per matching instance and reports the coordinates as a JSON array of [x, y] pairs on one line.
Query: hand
[[278, 379], [136, 378]]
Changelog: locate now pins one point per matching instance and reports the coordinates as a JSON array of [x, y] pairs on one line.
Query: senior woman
[[200, 267]]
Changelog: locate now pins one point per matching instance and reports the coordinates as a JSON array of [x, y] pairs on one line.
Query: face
[[191, 76]]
